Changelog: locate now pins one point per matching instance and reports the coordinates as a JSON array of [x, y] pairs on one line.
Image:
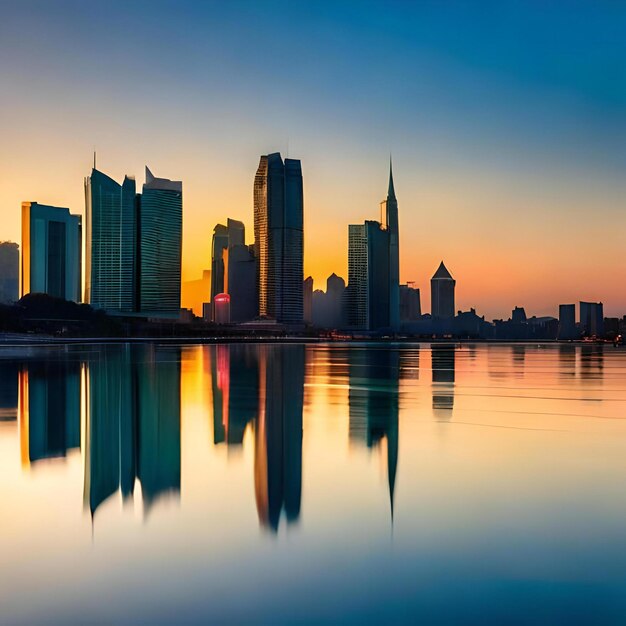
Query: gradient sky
[[506, 121]]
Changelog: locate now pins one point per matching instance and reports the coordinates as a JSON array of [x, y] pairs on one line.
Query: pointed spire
[[442, 272], [149, 175], [391, 191]]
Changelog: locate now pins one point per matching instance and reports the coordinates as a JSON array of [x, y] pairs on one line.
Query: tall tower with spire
[[389, 221]]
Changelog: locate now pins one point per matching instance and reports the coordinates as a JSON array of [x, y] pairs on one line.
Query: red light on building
[[221, 304]]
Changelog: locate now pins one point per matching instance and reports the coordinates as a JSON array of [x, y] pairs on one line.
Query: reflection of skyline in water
[[443, 378], [9, 370], [132, 424], [373, 399]]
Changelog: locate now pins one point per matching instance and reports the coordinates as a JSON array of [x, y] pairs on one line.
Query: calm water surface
[[290, 483]]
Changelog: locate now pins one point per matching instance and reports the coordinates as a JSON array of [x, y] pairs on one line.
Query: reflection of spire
[[373, 404]]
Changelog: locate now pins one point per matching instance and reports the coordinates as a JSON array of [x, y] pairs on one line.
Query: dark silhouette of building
[[240, 283], [51, 251], [307, 295], [279, 238], [592, 319], [373, 292], [224, 237], [278, 434], [9, 272], [518, 316], [442, 294], [567, 321], [9, 385], [410, 304], [327, 307]]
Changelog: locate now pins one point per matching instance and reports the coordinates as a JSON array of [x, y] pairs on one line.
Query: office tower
[[373, 292], [410, 304], [442, 294], [368, 276], [279, 238], [160, 233], [240, 282], [518, 315], [110, 243], [9, 272], [592, 319], [224, 237], [567, 321], [389, 221], [307, 299], [51, 251]]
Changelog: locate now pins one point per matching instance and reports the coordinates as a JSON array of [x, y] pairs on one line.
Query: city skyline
[[495, 158]]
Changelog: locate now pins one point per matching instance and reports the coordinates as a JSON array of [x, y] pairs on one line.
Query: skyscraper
[[110, 242], [160, 236], [9, 272], [51, 251], [567, 321], [224, 237], [410, 304], [389, 221], [442, 294], [308, 299], [279, 238], [373, 292], [240, 282]]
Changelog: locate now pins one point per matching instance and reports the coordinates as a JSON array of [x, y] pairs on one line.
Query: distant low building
[[9, 272]]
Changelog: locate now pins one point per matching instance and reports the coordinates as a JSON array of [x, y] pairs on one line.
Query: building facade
[[9, 272], [592, 319], [279, 238], [567, 321], [51, 251], [110, 243], [240, 282], [224, 238], [442, 287]]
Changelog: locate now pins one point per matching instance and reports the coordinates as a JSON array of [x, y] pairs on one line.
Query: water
[[277, 484]]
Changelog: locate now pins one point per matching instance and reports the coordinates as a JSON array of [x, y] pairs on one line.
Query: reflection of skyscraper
[[374, 401], [50, 408], [442, 293], [278, 435], [443, 365], [279, 238], [133, 423], [236, 367], [51, 251], [9, 372]]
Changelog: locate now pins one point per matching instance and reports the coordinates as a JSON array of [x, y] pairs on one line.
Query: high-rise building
[[9, 272], [567, 321], [160, 233], [389, 221], [592, 318], [224, 237], [279, 238], [410, 304], [373, 292], [240, 282], [518, 315], [442, 294], [335, 289], [110, 243], [51, 251]]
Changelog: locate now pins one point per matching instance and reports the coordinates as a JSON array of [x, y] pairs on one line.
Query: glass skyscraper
[[110, 255], [51, 251], [279, 238], [160, 246]]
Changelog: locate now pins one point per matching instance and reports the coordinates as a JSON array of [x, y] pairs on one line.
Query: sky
[[506, 122]]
